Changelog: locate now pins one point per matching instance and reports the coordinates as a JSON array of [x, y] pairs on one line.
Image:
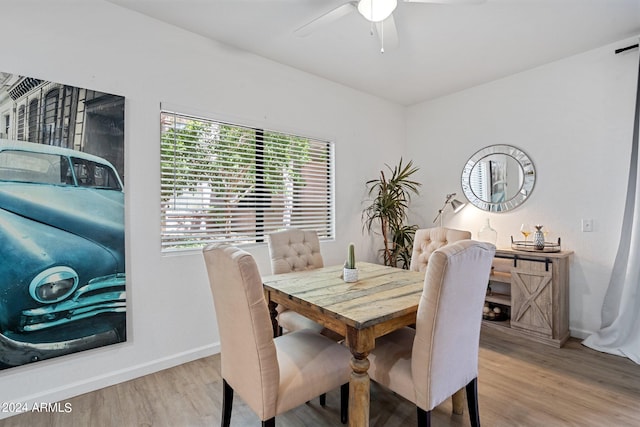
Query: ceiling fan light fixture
[[376, 10]]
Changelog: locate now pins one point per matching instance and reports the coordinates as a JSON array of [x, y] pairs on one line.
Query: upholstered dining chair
[[271, 375], [427, 240], [428, 364], [290, 250]]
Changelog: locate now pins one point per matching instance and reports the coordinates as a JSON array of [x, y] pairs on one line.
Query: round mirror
[[498, 178]]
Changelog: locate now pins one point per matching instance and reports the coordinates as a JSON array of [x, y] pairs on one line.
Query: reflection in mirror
[[498, 178]]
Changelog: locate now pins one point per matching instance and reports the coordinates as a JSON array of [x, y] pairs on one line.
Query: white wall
[[100, 46], [574, 118]]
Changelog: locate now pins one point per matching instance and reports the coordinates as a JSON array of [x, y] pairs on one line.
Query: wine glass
[[525, 229]]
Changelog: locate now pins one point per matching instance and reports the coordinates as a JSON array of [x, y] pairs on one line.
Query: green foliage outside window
[[215, 174]]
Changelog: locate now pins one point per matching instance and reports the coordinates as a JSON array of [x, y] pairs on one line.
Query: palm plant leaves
[[390, 199]]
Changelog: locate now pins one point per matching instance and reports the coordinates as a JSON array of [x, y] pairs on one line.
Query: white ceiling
[[441, 49]]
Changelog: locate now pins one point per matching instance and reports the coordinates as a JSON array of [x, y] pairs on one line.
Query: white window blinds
[[227, 183], [480, 179]]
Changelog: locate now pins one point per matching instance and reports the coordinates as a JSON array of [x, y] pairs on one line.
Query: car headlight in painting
[[53, 284]]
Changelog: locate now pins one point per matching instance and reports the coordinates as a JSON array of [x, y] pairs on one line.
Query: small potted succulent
[[350, 273]]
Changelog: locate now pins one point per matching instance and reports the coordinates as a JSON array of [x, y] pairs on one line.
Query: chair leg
[[424, 418], [472, 402], [271, 422], [227, 403], [344, 403], [323, 399]]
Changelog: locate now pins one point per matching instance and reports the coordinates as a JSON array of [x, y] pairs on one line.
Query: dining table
[[382, 300]]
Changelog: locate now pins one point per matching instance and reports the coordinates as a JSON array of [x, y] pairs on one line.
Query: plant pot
[[350, 275]]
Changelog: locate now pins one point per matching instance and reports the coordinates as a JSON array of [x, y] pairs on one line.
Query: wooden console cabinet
[[532, 288]]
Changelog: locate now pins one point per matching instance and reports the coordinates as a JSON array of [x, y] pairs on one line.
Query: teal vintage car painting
[[62, 252]]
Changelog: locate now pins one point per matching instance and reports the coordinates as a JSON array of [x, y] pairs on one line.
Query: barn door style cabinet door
[[534, 293]]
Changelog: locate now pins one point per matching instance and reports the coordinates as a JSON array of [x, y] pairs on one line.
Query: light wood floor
[[521, 383]]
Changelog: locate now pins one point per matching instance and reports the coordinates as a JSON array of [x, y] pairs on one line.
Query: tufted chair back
[[445, 350], [427, 240], [293, 249], [271, 375], [428, 364], [248, 353]]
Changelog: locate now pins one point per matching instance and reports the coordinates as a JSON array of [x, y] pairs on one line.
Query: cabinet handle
[[517, 257]]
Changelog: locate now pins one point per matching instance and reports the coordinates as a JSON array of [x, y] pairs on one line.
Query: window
[[33, 121], [234, 184], [7, 124], [50, 118], [45, 168], [95, 175], [21, 114]]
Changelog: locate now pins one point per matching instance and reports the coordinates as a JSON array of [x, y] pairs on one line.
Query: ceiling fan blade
[[327, 18], [447, 1], [387, 33]]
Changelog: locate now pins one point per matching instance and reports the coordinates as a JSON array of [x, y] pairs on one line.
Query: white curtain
[[620, 330]]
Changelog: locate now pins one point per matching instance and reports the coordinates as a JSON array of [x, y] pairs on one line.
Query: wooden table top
[[381, 293]]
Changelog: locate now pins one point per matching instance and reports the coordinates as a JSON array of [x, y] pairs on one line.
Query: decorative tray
[[520, 245]]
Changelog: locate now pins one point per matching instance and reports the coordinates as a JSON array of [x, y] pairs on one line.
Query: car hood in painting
[[95, 214]]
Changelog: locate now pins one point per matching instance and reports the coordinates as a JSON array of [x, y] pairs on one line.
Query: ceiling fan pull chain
[[381, 37]]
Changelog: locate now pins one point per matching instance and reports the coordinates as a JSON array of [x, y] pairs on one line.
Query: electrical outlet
[[587, 225]]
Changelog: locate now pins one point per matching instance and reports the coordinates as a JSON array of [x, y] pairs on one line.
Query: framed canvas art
[[62, 251]]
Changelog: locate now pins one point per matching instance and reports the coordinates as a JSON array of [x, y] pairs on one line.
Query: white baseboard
[[580, 333], [68, 391]]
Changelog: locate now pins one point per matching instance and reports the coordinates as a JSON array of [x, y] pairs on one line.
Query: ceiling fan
[[378, 12]]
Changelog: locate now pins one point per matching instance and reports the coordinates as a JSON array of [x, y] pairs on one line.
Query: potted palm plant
[[387, 212]]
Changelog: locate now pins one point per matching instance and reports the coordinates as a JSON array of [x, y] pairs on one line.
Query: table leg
[[457, 401], [360, 343], [273, 313], [359, 392]]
